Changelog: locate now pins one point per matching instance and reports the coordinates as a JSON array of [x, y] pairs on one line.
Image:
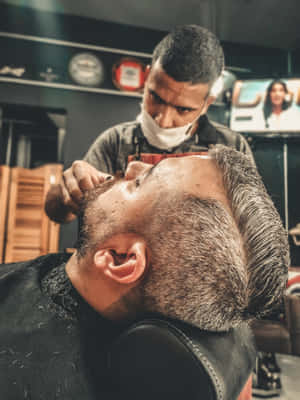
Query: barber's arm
[[63, 199]]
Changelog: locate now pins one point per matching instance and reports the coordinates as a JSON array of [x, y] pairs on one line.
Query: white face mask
[[163, 138]]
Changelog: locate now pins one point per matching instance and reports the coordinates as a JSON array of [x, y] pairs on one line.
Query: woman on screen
[[277, 107]]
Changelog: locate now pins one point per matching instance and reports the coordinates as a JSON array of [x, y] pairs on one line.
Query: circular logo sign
[[86, 69], [129, 74]]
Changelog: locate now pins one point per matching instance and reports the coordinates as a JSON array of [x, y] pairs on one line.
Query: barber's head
[[192, 238], [184, 67]]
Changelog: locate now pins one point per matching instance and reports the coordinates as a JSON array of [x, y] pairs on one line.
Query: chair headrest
[[165, 359]]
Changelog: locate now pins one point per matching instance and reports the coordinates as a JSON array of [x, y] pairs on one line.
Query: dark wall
[[261, 62], [294, 193], [57, 26], [295, 60], [88, 114]]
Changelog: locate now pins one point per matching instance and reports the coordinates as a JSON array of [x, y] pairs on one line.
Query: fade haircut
[[190, 53], [210, 269]]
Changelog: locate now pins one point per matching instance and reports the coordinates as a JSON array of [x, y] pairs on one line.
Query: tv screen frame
[[266, 106]]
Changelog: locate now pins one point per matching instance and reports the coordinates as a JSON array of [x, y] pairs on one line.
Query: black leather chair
[[164, 359]]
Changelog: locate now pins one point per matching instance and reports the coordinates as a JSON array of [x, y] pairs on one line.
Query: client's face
[[120, 204]]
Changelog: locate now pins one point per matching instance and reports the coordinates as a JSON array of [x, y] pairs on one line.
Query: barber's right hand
[[77, 179]]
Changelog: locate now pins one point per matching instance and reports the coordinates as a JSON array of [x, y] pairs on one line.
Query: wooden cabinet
[[29, 233], [4, 191]]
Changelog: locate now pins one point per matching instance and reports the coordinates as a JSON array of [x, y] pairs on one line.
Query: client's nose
[[134, 169]]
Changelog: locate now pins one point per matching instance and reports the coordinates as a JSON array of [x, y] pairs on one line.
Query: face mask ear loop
[[197, 139], [197, 134], [137, 143]]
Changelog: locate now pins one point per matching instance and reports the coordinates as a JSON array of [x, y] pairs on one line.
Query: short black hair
[[190, 53]]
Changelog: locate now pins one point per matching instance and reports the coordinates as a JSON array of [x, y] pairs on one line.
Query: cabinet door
[[4, 191], [30, 233]]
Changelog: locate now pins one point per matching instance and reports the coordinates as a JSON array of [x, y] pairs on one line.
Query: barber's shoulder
[[230, 137], [109, 144], [121, 134], [119, 131], [102, 142], [127, 129], [224, 130]]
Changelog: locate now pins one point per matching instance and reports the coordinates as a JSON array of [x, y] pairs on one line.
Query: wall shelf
[[68, 87], [74, 44]]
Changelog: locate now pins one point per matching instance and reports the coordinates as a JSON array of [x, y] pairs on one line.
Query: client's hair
[[265, 240]]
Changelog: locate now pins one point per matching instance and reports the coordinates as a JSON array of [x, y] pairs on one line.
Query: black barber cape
[[52, 343]]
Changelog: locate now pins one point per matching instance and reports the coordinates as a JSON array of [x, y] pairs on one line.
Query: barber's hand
[[77, 179]]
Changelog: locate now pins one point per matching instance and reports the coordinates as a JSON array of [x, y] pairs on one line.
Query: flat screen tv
[[266, 105]]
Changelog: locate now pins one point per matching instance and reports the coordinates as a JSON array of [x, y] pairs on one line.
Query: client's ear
[[123, 260]]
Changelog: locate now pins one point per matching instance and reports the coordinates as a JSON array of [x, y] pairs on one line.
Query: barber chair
[[165, 359], [280, 336]]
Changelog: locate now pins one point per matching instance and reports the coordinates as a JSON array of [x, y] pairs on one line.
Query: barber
[[180, 86]]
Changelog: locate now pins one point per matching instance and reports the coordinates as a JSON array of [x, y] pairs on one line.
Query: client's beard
[[84, 241]]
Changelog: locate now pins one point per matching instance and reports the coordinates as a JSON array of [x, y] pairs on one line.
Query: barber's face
[[130, 199], [173, 104], [277, 94]]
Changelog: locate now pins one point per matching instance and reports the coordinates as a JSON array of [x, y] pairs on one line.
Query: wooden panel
[[54, 172], [4, 191], [30, 233]]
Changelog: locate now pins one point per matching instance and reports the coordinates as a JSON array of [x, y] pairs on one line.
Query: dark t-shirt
[[52, 343], [109, 153]]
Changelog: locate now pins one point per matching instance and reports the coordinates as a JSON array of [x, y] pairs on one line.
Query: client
[[194, 238]]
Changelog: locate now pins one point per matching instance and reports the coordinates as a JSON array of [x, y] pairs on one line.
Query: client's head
[[194, 238]]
